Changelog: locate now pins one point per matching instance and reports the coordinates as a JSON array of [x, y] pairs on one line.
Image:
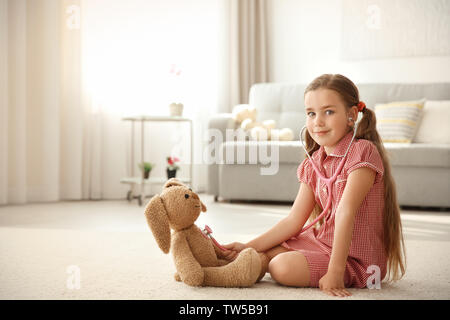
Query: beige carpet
[[119, 259]]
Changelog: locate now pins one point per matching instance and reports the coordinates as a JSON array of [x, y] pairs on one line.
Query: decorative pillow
[[398, 121], [435, 124]]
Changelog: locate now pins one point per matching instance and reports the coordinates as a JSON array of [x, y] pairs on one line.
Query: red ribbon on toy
[[207, 233]]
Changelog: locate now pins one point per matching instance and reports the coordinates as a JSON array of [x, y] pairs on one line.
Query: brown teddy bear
[[197, 258]]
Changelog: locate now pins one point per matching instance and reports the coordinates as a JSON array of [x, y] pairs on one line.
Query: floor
[[428, 231]]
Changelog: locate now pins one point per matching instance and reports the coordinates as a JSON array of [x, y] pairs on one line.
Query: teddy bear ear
[[158, 221], [172, 182], [203, 206]]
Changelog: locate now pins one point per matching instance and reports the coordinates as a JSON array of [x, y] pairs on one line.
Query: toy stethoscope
[[206, 232], [328, 181]]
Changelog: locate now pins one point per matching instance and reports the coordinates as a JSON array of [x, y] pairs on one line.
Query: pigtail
[[392, 226], [394, 245], [367, 127]]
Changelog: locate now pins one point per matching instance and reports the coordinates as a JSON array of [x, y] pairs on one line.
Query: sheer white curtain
[[243, 50], [41, 113], [69, 70], [53, 146]]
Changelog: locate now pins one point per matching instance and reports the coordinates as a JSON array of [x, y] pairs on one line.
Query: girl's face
[[327, 117]]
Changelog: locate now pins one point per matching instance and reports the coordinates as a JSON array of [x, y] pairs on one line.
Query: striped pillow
[[398, 121]]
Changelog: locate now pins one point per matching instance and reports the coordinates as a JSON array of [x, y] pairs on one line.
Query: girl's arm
[[289, 226], [359, 182]]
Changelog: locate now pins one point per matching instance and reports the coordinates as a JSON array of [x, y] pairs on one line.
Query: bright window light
[[132, 47]]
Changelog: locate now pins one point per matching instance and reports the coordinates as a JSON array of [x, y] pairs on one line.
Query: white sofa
[[421, 170]]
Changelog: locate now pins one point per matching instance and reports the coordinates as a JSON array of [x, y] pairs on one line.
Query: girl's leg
[[268, 255], [271, 253], [290, 269]]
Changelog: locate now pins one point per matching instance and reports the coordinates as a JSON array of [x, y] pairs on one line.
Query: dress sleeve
[[366, 155], [305, 173]]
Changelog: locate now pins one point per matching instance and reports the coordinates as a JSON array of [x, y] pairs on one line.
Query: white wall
[[304, 42]]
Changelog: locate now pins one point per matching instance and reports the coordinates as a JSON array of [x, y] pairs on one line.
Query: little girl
[[361, 233]]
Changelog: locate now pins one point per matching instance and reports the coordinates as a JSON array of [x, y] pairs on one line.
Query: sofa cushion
[[258, 152], [398, 121], [418, 154], [280, 102], [434, 113]]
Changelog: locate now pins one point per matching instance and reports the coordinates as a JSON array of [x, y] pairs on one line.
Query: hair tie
[[361, 106]]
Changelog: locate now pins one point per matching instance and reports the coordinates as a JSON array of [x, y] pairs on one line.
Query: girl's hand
[[333, 285], [234, 249]]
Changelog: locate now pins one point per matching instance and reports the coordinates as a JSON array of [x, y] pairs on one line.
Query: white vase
[[176, 109]]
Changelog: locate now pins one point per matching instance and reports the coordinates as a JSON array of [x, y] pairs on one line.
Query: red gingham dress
[[366, 247]]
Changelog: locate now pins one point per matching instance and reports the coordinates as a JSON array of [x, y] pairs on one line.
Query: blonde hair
[[394, 245]]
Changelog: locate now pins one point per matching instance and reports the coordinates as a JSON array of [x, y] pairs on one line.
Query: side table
[[138, 182]]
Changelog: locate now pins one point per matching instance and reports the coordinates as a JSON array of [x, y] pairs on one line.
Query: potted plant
[[176, 109], [172, 167], [146, 167]]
